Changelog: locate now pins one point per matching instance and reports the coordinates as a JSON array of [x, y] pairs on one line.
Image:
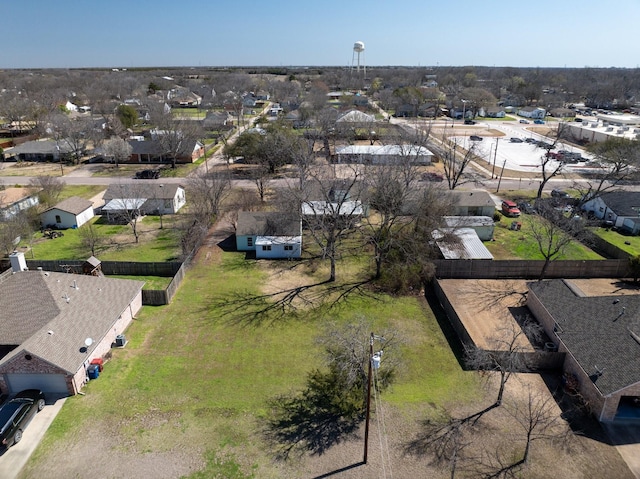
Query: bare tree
[[455, 161], [617, 160], [72, 133], [206, 193], [48, 189], [12, 229], [118, 149], [549, 166], [127, 205], [333, 214], [90, 237], [553, 232]]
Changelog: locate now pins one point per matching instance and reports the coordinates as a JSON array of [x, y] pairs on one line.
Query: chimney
[[18, 263]]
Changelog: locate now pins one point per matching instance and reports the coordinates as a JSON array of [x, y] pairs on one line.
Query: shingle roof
[[623, 203], [91, 310], [597, 332], [472, 198], [268, 224], [141, 190], [74, 205]]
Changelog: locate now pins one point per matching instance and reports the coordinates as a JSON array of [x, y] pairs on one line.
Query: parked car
[[531, 140], [515, 140], [475, 138], [539, 122], [524, 121], [510, 209], [469, 122], [560, 194], [16, 414], [147, 175], [526, 208], [431, 176]]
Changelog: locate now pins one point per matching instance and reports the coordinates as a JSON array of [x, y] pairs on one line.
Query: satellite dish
[[88, 342]]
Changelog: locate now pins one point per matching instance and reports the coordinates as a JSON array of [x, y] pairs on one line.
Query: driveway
[[625, 436], [13, 460]]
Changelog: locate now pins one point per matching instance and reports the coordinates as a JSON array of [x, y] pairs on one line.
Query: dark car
[[469, 122], [526, 208], [475, 138], [560, 194], [431, 176], [515, 139], [147, 175], [16, 414]]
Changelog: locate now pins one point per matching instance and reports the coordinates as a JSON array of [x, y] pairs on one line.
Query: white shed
[[70, 213]]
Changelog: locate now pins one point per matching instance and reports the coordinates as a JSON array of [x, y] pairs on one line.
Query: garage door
[[48, 383]]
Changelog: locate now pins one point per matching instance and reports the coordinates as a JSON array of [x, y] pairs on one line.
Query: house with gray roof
[[600, 336], [150, 198], [272, 235], [70, 213], [40, 150], [622, 208], [48, 340], [472, 203]]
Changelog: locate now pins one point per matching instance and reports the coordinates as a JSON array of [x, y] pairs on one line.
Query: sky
[[144, 33]]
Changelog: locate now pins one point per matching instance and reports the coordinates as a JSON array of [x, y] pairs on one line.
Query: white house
[[159, 199], [70, 213], [532, 112], [272, 235], [622, 208], [383, 154]]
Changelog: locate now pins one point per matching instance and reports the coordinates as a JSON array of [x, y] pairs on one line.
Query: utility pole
[[501, 172], [368, 413], [495, 155]]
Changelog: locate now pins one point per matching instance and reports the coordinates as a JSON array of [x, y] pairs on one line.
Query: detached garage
[[54, 324]]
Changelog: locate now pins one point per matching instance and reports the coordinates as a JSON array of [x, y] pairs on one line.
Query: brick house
[[48, 340], [600, 337]]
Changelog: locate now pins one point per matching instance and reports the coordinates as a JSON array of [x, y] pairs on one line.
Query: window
[[250, 241], [288, 247], [266, 247], [58, 219]]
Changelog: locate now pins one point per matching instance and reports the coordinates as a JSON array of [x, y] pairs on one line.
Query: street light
[[464, 107], [495, 155]]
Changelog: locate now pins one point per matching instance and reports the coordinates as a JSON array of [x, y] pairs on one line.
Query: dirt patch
[[486, 307]]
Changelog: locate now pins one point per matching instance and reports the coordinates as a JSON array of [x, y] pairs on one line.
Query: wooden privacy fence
[[150, 297], [531, 269]]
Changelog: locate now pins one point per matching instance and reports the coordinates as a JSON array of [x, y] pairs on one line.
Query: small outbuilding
[[70, 213], [272, 235]]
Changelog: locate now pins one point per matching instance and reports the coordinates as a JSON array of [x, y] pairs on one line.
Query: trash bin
[[99, 362], [93, 371], [518, 226], [121, 341]]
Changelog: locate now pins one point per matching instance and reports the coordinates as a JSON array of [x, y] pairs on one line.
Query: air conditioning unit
[[121, 341]]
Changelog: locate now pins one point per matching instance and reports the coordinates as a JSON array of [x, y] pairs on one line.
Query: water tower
[[358, 48]]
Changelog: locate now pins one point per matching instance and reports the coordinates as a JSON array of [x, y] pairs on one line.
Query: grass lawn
[[155, 244], [619, 240], [151, 282], [193, 379], [510, 244]]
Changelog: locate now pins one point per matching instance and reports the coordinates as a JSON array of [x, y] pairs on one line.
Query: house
[[621, 208], [492, 112], [183, 98], [14, 200], [562, 112], [532, 112], [70, 213], [153, 151], [216, 120], [150, 198], [40, 150], [49, 337], [482, 225], [472, 203], [460, 243], [272, 235], [356, 117], [383, 154], [600, 336], [347, 210]]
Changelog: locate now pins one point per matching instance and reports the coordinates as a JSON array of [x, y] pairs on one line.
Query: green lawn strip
[[151, 282], [164, 247], [619, 240], [510, 244], [208, 378], [83, 191]]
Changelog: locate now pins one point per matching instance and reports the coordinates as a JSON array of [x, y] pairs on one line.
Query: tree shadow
[[314, 420]]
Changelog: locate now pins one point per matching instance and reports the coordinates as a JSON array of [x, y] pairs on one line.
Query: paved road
[[13, 460]]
